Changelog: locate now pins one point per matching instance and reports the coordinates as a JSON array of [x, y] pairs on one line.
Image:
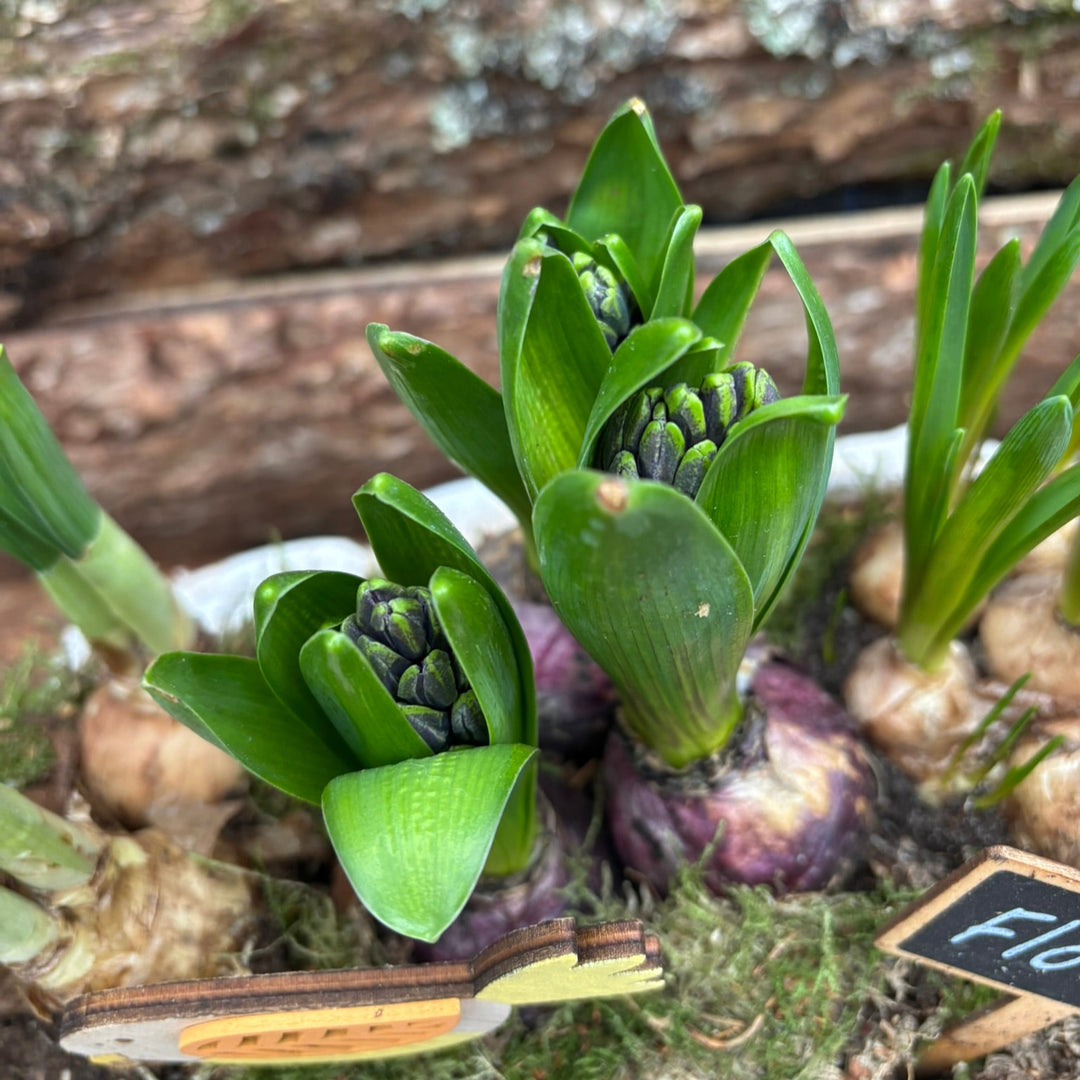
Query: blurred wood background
[[203, 202]]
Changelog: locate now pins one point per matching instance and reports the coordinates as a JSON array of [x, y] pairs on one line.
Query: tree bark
[[160, 143]]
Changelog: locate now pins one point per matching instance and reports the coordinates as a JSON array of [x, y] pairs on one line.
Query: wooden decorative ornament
[[1007, 919], [367, 1013]]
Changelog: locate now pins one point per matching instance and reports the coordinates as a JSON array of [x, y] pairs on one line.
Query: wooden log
[[160, 143], [213, 419]]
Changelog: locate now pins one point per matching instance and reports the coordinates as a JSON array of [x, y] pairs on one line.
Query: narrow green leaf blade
[[226, 700], [933, 217], [552, 368], [413, 837], [675, 288], [412, 538], [627, 189], [461, 413], [668, 609], [484, 648], [761, 489], [977, 159], [362, 712], [721, 312], [612, 251], [1065, 218], [639, 361]]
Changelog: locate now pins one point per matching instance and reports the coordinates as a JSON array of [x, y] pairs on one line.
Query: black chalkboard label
[[1010, 929]]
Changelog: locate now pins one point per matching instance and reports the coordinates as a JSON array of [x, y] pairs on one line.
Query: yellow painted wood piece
[[320, 1033]]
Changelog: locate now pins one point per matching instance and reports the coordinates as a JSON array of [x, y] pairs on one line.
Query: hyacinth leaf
[[544, 226], [413, 837], [289, 608], [1051, 507], [675, 287], [1025, 459], [84, 606], [39, 489], [412, 538], [613, 252], [721, 312], [977, 159], [668, 611], [461, 413], [537, 220], [552, 358], [933, 219], [363, 713], [993, 302], [484, 650], [1063, 221], [648, 351], [226, 700], [627, 189], [24, 544], [939, 366], [761, 489]]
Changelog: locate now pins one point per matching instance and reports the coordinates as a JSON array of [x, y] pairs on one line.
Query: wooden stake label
[[1008, 919]]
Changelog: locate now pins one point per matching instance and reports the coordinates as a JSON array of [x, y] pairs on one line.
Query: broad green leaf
[[613, 252], [39, 489], [977, 159], [551, 372], [933, 217], [1025, 458], [626, 188], [25, 544], [536, 221], [478, 636], [648, 351], [462, 414], [412, 538], [761, 489], [1063, 221], [938, 377], [226, 700], [289, 609], [675, 286], [413, 837], [667, 610], [721, 312], [361, 709]]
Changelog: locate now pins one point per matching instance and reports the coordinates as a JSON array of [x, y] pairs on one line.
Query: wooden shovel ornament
[[1007, 919], [363, 1014]]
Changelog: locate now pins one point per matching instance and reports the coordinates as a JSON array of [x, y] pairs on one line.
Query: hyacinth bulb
[[397, 630], [672, 435]]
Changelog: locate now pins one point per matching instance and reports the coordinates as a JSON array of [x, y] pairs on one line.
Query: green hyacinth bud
[[608, 297], [671, 435], [398, 632]]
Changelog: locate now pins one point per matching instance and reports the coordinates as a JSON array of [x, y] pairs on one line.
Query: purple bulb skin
[[575, 700], [789, 804]]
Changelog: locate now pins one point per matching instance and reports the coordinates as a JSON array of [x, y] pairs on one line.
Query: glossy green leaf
[[552, 369], [462, 414], [933, 218], [25, 544], [289, 609], [1068, 383], [1063, 221], [475, 629], [627, 189], [412, 538], [977, 159], [939, 369], [360, 708], [1026, 457], [667, 611], [39, 489], [413, 837], [613, 252], [721, 312], [536, 221], [761, 489], [226, 700], [648, 351], [675, 288]]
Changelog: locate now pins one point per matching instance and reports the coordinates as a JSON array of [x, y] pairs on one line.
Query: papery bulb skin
[[575, 700], [877, 574], [671, 434], [788, 804], [498, 906], [1051, 555], [1021, 631], [915, 718], [1043, 810]]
